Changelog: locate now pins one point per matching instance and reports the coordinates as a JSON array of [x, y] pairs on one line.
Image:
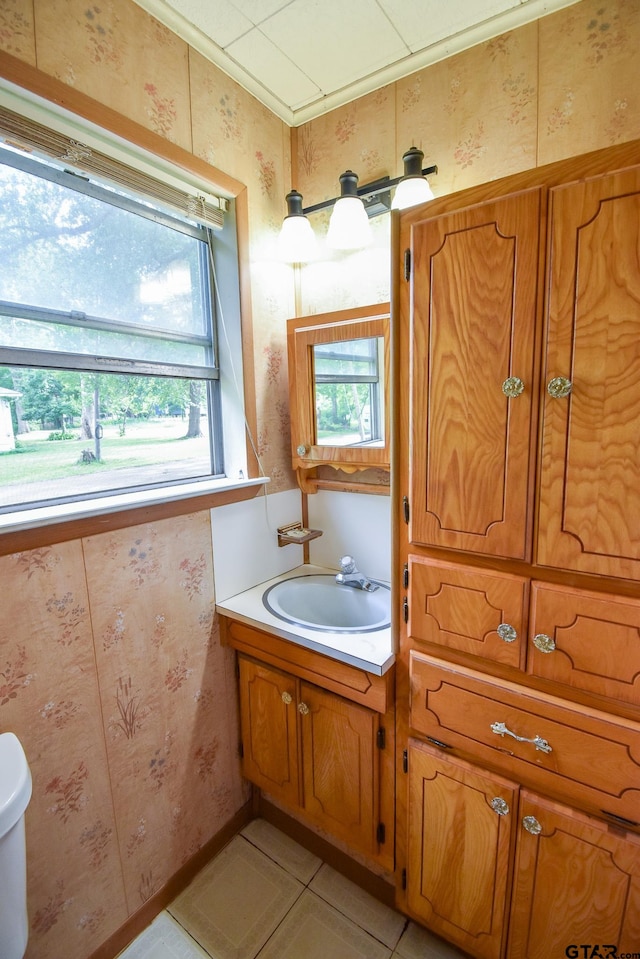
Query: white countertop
[[371, 651]]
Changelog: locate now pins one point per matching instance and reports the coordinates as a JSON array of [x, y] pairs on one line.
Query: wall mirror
[[339, 388]]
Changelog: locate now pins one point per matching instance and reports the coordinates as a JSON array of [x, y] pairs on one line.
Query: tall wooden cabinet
[[472, 380], [517, 324]]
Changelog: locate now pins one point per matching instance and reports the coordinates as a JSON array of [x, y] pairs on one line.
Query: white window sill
[[23, 519]]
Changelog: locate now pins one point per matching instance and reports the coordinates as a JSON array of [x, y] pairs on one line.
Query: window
[[109, 371], [348, 392]]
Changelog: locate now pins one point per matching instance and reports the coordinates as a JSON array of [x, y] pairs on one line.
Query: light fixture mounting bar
[[376, 186]]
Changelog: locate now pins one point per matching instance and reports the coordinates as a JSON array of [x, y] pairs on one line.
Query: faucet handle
[[347, 564]]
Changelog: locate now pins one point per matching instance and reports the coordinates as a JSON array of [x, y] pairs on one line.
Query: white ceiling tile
[[335, 42], [422, 23], [260, 57], [259, 10], [323, 53], [221, 20]]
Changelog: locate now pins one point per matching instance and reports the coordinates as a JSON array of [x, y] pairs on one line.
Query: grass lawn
[[145, 443]]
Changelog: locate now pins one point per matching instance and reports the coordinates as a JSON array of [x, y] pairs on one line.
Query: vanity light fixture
[[348, 226], [413, 187], [297, 242]]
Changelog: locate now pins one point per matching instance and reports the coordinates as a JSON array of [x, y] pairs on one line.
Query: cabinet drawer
[[582, 755], [469, 610], [589, 641]]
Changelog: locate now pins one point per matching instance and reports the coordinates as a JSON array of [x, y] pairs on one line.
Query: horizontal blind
[[25, 134]]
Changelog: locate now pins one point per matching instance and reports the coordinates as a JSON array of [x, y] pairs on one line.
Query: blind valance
[[28, 135]]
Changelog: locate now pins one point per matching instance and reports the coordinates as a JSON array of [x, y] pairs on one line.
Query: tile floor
[[266, 897]]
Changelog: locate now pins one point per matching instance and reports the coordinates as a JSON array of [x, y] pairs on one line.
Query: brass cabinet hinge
[[404, 878], [405, 761], [381, 834], [381, 738], [407, 265], [241, 749], [405, 576], [405, 609], [405, 508]]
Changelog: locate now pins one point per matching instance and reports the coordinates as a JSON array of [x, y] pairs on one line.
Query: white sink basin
[[318, 602]]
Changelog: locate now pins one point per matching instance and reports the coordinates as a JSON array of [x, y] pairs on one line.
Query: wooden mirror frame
[[303, 333]]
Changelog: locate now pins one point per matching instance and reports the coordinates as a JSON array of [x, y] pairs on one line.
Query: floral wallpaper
[[111, 672], [556, 88], [113, 678]]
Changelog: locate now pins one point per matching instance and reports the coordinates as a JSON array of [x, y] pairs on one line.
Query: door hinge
[[405, 507], [407, 265], [241, 750], [405, 576], [381, 738], [405, 761], [381, 834], [404, 878], [437, 742], [405, 609]]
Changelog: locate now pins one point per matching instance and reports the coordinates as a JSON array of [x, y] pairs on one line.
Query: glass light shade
[[297, 242], [410, 192], [349, 227]]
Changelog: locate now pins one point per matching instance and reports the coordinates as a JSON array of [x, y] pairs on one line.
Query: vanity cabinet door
[[461, 826], [268, 715], [473, 376], [341, 780], [590, 476], [475, 611], [577, 882]]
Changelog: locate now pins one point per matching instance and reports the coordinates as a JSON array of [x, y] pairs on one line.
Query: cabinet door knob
[[544, 643], [507, 633], [513, 386], [500, 806], [500, 729], [303, 709], [559, 387], [302, 450], [287, 698], [532, 825]]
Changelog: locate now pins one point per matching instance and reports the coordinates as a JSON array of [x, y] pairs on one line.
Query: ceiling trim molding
[[211, 51], [526, 12]]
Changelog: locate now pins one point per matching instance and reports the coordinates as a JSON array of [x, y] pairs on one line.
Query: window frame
[[28, 95]]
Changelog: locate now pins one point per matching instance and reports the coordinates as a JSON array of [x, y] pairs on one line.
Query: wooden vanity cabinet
[[318, 736], [312, 749]]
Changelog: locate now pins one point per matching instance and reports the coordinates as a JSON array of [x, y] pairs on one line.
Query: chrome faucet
[[349, 575]]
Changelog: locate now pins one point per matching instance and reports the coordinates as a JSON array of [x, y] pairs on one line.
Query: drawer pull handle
[[507, 633], [532, 825], [500, 729], [500, 806], [286, 698], [544, 643], [303, 709]]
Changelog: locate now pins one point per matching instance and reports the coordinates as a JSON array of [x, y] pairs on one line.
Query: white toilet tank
[[15, 793]]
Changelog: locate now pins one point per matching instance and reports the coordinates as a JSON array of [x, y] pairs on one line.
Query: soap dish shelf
[[296, 533]]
